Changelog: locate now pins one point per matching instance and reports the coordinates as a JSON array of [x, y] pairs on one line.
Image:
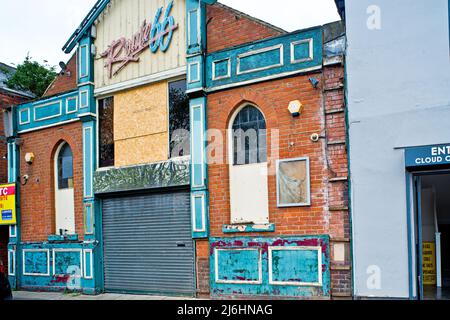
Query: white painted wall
[[398, 95]]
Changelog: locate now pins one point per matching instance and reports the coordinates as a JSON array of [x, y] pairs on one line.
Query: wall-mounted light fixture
[[295, 108], [29, 158], [314, 82]]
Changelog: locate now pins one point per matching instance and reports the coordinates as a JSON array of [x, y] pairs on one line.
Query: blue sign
[[7, 215], [427, 156]]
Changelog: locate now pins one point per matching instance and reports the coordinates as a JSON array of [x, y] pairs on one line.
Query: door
[[419, 249], [148, 246], [64, 193]]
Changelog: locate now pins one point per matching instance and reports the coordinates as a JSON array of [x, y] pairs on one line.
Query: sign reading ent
[[428, 156]]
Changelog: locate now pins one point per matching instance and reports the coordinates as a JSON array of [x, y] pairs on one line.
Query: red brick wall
[[323, 114], [273, 99], [37, 196], [227, 28], [8, 99], [64, 82], [333, 92]]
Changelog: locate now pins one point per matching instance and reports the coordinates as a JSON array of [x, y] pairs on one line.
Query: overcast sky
[[41, 27]]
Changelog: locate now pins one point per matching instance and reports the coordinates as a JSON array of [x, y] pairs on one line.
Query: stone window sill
[[248, 228]]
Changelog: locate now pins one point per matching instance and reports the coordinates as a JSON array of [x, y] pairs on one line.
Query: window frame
[[308, 182], [59, 150], [231, 135]]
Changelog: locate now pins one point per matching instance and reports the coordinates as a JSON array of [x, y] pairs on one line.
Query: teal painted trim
[[89, 219], [294, 266], [11, 262], [296, 52], [48, 266], [195, 27], [46, 112], [85, 61], [200, 214], [195, 73], [87, 104], [85, 25], [12, 162], [198, 144], [248, 228], [89, 136], [409, 235]]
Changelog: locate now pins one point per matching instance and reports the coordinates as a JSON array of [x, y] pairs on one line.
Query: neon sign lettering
[[156, 36]]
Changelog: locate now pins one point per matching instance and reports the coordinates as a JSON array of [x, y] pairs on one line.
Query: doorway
[[432, 204]]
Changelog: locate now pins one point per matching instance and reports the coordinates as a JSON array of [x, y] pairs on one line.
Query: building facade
[[127, 178], [276, 169], [397, 83]]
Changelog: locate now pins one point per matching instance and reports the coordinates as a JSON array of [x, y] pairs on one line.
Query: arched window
[[64, 192], [65, 167], [249, 136]]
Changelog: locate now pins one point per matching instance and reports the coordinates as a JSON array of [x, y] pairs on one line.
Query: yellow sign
[[429, 263], [8, 204]]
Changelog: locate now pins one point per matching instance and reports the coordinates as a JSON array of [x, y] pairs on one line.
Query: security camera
[[315, 137]]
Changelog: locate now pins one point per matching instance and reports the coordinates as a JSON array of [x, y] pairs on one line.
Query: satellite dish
[[63, 66]]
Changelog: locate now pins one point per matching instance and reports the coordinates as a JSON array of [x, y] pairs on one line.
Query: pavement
[[26, 295]]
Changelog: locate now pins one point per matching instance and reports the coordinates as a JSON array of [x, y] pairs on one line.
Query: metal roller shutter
[[148, 246]]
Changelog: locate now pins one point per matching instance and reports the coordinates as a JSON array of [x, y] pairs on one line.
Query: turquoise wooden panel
[[295, 266], [89, 218], [198, 127], [238, 265], [290, 266], [11, 262], [72, 105], [24, 116], [193, 28], [88, 262], [88, 158], [258, 61], [301, 51], [221, 69], [195, 72], [199, 209], [67, 262], [36, 263], [267, 59], [200, 214], [67, 259], [48, 111], [85, 61], [84, 99]]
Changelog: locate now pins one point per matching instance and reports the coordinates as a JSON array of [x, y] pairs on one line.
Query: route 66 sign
[[156, 35]]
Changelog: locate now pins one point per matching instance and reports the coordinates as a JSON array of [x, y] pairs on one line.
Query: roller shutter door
[[148, 246]]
